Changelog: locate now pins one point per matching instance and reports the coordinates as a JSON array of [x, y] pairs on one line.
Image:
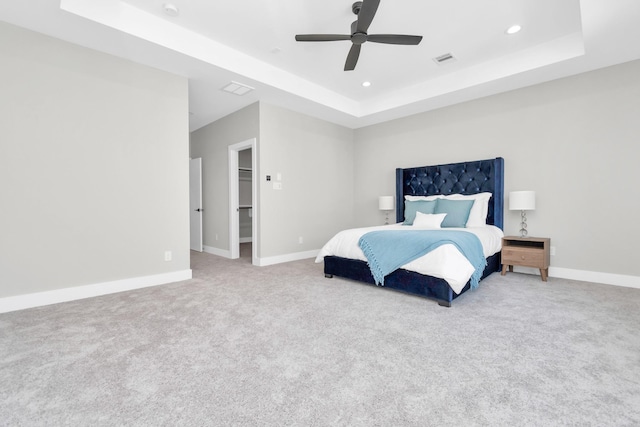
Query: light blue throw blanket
[[388, 250]]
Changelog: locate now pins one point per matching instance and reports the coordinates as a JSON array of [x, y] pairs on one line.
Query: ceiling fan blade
[[394, 39], [321, 37], [366, 14], [352, 58]]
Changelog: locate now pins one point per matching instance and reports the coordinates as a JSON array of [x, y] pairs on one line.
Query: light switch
[[278, 176], [277, 186]]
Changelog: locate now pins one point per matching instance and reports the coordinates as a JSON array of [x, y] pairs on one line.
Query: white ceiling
[[214, 42]]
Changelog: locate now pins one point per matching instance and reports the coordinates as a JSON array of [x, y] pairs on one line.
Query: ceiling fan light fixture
[[366, 84], [513, 30]]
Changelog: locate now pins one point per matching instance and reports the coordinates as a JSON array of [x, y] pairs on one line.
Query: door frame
[[198, 163], [234, 186]]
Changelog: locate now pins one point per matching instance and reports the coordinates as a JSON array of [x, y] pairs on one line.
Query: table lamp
[[522, 201], [386, 203]]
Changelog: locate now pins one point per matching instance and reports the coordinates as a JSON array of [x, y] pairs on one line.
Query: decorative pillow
[[428, 220], [479, 211], [457, 211], [411, 207]]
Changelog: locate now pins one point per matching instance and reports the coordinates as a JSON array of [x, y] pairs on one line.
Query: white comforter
[[445, 262]]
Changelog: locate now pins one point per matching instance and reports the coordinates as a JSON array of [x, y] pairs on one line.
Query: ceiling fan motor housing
[[358, 38]]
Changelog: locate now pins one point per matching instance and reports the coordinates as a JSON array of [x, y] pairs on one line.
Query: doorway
[[245, 203], [243, 208]]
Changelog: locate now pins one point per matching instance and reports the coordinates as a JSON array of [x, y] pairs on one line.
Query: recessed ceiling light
[[366, 84], [513, 29], [170, 9]]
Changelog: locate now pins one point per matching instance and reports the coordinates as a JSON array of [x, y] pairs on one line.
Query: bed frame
[[463, 178]]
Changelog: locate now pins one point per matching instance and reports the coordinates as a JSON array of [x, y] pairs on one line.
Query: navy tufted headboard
[[464, 178]]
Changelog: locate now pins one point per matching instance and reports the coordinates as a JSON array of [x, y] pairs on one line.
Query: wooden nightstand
[[527, 252]]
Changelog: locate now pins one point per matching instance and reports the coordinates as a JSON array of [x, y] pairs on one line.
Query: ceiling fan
[[365, 10]]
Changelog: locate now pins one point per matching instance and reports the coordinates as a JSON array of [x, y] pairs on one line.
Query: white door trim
[[234, 177], [195, 203]]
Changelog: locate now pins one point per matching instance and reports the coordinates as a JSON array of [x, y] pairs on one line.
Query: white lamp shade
[[386, 203], [522, 200]]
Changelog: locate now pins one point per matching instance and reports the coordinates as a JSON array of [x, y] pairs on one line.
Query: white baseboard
[[261, 262], [21, 302], [587, 276], [562, 273], [595, 276], [216, 251], [287, 258]]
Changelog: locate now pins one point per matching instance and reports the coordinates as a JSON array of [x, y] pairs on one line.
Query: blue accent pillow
[[413, 206], [457, 211]]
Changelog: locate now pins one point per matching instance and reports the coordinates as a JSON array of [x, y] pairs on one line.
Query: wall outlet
[[300, 239], [277, 186], [552, 251], [167, 255]]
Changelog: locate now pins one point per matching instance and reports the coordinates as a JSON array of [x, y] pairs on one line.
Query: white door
[[195, 203]]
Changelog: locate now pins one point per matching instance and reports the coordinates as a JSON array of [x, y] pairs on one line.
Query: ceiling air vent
[[237, 88], [447, 57]]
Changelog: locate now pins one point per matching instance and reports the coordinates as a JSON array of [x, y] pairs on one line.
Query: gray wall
[[315, 159], [94, 170], [574, 141], [93, 166], [211, 143]]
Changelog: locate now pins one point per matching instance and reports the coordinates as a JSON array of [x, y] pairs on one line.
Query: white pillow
[[413, 198], [479, 210], [428, 220]]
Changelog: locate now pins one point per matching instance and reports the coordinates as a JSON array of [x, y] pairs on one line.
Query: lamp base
[[523, 224]]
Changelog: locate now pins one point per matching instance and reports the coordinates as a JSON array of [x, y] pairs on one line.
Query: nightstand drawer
[[523, 256]]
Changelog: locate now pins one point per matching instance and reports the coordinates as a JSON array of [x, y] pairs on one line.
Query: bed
[[471, 179]]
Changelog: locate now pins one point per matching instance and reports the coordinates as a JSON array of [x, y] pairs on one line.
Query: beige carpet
[[282, 345]]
